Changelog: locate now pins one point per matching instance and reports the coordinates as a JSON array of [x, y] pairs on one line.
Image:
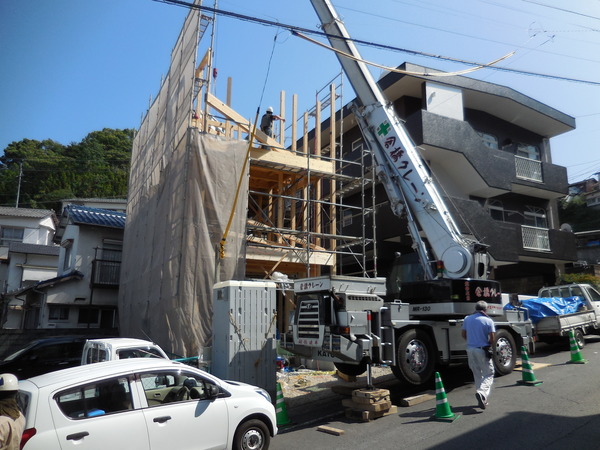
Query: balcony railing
[[106, 273], [528, 169], [535, 238]]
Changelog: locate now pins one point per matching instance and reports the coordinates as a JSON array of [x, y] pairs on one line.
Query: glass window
[[58, 312], [88, 315], [593, 294], [68, 245], [496, 209], [9, 235], [536, 217], [174, 386], [489, 140], [95, 399], [528, 151]]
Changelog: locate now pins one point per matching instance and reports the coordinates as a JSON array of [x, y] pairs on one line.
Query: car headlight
[[264, 393]]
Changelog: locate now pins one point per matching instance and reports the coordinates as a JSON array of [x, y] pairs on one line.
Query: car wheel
[[505, 354], [252, 435]]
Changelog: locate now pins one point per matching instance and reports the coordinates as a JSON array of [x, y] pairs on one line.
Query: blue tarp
[[538, 308]]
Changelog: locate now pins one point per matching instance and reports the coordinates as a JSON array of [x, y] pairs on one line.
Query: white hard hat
[[270, 109], [8, 382]]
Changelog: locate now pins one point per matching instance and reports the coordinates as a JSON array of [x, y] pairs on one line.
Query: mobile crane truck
[[345, 319]]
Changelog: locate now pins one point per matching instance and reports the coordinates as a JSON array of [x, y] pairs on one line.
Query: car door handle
[[161, 419], [77, 436]]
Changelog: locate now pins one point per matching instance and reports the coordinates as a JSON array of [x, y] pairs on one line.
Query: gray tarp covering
[[181, 190], [171, 244]]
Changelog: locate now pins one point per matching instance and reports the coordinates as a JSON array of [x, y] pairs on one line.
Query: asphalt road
[[561, 413]]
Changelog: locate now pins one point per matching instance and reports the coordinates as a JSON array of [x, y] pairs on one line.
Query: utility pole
[[19, 184]]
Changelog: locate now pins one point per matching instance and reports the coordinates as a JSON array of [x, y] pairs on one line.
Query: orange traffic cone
[[442, 408], [528, 378], [576, 357], [280, 409]]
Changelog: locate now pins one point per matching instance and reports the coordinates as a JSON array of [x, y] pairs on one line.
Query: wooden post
[[228, 127], [281, 122], [294, 120]]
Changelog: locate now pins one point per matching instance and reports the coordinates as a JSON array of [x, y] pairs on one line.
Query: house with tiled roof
[[83, 293], [27, 255]]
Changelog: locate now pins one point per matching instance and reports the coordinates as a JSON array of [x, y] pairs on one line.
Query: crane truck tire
[[505, 356], [352, 370], [415, 357]]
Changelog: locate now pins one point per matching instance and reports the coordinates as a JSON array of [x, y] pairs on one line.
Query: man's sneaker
[[480, 400]]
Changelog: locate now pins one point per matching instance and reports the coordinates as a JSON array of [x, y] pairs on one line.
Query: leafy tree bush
[[98, 166], [580, 278]]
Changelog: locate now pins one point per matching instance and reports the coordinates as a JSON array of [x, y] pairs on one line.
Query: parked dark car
[[45, 355]]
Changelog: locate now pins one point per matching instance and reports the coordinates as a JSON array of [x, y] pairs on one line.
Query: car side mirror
[[212, 391]]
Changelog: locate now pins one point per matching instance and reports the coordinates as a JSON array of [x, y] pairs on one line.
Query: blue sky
[[70, 67]]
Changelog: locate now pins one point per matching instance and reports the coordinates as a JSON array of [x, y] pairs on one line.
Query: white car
[[107, 349], [143, 403]]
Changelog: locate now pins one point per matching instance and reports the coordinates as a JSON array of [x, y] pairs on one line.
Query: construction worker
[[266, 122], [12, 422], [479, 331]]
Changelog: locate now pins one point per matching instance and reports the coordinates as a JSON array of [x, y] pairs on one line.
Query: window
[[357, 145], [528, 151], [9, 235], [88, 316], [347, 218], [496, 209], [111, 250], [95, 399], [58, 312], [536, 217], [489, 140], [175, 386], [68, 246]]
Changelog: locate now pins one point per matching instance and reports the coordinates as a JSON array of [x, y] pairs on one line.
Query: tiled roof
[[20, 247], [25, 212], [98, 199], [96, 216]]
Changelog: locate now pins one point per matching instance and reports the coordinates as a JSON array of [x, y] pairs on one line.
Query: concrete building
[[488, 149]]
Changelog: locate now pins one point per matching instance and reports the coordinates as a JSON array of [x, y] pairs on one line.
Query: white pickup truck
[[99, 350], [585, 320]]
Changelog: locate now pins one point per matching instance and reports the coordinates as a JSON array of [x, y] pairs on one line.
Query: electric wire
[[294, 28]]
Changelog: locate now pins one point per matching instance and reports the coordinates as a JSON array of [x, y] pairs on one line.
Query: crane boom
[[399, 166]]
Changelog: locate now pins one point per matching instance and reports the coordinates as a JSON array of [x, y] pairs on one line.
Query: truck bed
[[559, 325]]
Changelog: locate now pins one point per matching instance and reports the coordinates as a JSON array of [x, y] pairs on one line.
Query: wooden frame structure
[[293, 207]]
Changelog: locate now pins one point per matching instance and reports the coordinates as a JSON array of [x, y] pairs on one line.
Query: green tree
[[575, 212], [98, 166]]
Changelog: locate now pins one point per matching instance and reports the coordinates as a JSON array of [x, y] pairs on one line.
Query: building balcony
[[512, 242], [478, 170]]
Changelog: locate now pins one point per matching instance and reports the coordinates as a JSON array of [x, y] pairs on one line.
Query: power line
[[296, 29]]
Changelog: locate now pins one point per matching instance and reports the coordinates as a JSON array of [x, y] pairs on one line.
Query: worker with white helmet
[[12, 422], [266, 123]]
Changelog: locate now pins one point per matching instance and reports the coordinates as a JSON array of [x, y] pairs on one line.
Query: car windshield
[[20, 352]]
